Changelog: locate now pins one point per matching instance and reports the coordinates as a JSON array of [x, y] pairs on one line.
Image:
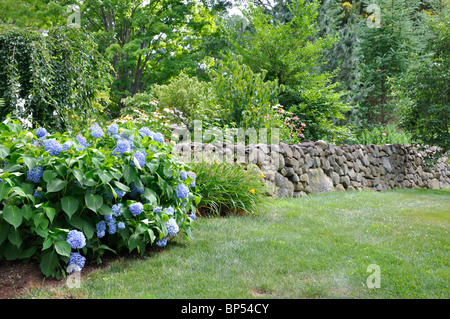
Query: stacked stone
[[317, 167]]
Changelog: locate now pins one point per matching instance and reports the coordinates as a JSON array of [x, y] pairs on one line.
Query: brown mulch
[[18, 278]]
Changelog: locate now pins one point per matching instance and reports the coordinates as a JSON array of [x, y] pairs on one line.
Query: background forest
[[349, 72]]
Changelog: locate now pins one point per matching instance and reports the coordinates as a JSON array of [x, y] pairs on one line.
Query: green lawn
[[311, 247]]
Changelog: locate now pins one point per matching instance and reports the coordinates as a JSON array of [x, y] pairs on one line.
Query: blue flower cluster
[[182, 191], [35, 174], [172, 227], [82, 143], [96, 131], [136, 191], [76, 239], [140, 157], [162, 242], [193, 176], [67, 146], [76, 262], [136, 208], [183, 175], [38, 194], [41, 132], [158, 137], [113, 129], [122, 147], [169, 210], [116, 209], [53, 147]]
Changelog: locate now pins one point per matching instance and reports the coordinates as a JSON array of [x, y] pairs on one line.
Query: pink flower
[[302, 136], [266, 116], [281, 111], [295, 118], [303, 124], [384, 134]]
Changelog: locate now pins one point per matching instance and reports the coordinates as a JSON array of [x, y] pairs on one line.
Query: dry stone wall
[[317, 167]]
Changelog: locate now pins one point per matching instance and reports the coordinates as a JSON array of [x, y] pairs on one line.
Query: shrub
[[66, 199], [382, 135], [226, 188]]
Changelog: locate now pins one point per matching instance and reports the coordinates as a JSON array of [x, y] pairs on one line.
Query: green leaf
[[69, 205], [49, 263], [13, 215], [93, 201], [129, 174], [19, 191], [47, 243], [4, 231], [122, 186], [29, 161], [14, 237], [4, 190], [63, 248], [48, 176], [50, 212], [4, 151], [38, 218], [150, 195], [79, 175], [104, 176], [134, 241], [56, 185], [88, 229]]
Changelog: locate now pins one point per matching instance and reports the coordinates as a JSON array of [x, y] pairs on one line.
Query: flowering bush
[[66, 199]]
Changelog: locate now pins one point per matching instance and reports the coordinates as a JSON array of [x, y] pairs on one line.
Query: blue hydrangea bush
[[66, 198]]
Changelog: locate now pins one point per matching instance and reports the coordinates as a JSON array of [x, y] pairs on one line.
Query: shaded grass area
[[311, 247]]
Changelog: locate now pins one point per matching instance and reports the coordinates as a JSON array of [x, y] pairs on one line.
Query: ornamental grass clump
[[226, 188], [66, 199]]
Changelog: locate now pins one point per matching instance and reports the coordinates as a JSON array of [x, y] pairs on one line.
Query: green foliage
[[291, 53], [226, 188], [240, 97], [385, 53], [423, 92], [52, 80], [381, 135], [184, 95], [78, 188]]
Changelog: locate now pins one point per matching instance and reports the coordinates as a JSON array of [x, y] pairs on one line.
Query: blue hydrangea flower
[[192, 216], [182, 191], [82, 141], [109, 218], [162, 242], [193, 176], [146, 131], [38, 194], [169, 210], [183, 175], [122, 147], [101, 234], [158, 209], [158, 137], [136, 208], [113, 129], [77, 260], [120, 193], [101, 226], [35, 174], [76, 239], [116, 209], [112, 228], [96, 131], [140, 157], [67, 146], [172, 227], [136, 191], [53, 147], [121, 225], [41, 132]]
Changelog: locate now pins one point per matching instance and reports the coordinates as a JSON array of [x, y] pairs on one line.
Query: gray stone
[[322, 144], [319, 182]]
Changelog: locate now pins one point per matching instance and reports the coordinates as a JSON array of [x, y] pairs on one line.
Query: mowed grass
[[318, 246]]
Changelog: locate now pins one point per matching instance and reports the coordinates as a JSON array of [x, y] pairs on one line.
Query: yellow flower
[[262, 175], [252, 191]]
